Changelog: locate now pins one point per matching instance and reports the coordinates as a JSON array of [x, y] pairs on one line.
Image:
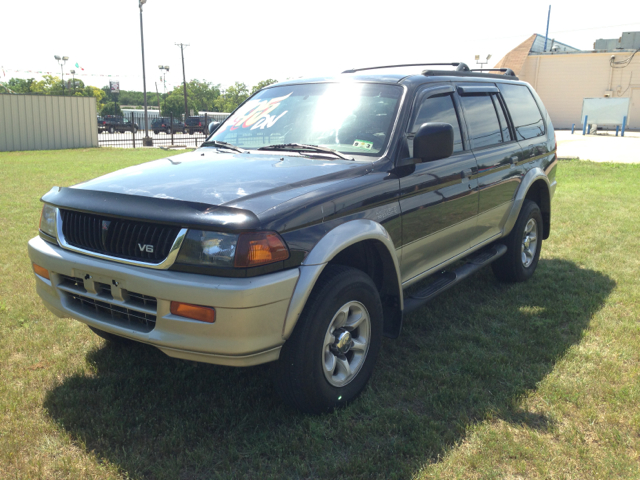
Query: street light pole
[[480, 62], [62, 61], [73, 79], [146, 141], [184, 80], [164, 69]]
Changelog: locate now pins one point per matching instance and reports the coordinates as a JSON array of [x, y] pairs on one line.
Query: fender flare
[[532, 176], [324, 251]]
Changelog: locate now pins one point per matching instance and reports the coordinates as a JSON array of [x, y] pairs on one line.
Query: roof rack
[[469, 73], [460, 67], [506, 71]]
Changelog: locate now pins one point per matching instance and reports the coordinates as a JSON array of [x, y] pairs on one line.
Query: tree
[[174, 104], [262, 84], [232, 97], [204, 94], [111, 108]]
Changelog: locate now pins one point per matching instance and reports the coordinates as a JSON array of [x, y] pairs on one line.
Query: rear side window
[[439, 109], [482, 120], [524, 111]]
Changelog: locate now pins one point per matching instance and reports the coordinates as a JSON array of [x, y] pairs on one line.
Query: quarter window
[[524, 111], [439, 109]]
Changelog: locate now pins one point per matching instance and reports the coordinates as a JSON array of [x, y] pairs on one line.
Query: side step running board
[[446, 280]]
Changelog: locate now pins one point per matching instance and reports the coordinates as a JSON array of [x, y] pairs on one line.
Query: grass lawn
[[535, 380]]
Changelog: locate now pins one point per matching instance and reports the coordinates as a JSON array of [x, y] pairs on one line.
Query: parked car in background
[[163, 124], [116, 123], [195, 125]]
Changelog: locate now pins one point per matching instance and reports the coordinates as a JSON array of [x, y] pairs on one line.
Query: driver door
[[438, 199]]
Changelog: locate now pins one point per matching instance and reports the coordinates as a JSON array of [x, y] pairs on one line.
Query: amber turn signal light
[[195, 312], [43, 272], [260, 248]]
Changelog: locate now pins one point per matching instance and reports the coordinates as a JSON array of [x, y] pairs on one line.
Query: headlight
[[48, 220], [212, 249], [227, 250]]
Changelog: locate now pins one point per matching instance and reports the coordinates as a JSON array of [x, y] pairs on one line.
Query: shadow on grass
[[468, 356]]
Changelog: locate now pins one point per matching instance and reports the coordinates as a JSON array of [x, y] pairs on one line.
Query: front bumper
[[250, 312]]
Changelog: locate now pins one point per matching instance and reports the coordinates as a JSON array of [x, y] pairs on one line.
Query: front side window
[[524, 111], [439, 109], [352, 118]]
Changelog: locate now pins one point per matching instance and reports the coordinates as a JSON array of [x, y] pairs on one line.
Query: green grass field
[[535, 380]]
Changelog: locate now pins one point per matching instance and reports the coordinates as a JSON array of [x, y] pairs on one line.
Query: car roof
[[403, 75]]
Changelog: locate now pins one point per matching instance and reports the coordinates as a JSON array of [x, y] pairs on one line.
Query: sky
[[253, 40]]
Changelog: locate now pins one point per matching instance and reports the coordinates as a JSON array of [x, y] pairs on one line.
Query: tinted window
[[524, 111], [439, 109], [482, 121], [506, 135]]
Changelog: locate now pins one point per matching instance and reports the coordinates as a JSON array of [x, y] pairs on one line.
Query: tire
[[112, 130], [135, 130], [523, 246], [303, 375], [186, 131], [168, 131], [156, 132], [111, 338]]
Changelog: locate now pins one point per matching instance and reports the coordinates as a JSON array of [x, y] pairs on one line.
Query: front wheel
[[330, 355], [168, 131], [112, 130], [523, 246], [135, 130]]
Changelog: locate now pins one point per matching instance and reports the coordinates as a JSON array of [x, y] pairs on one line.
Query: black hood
[[254, 182]]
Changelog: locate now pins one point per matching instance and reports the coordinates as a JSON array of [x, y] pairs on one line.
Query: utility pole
[[184, 79], [147, 141]]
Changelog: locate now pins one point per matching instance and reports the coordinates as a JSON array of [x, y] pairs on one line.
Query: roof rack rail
[[469, 73], [460, 67], [506, 71]]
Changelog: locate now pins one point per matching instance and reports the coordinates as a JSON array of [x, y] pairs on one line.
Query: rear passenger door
[[437, 199], [497, 153]]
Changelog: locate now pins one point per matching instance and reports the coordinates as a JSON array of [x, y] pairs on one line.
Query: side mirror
[[433, 141], [213, 126]]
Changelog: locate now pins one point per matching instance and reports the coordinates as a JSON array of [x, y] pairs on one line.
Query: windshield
[[352, 118]]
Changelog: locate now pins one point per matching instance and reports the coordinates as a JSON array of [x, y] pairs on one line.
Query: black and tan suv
[[293, 233]]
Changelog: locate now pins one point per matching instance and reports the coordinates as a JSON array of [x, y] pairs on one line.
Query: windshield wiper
[[301, 147], [216, 143]]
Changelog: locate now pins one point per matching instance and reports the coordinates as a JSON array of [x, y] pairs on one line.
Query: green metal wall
[[39, 122]]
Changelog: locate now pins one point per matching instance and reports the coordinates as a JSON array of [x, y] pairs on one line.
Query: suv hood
[[254, 182]]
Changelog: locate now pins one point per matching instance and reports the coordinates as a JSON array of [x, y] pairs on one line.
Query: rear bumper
[[250, 312]]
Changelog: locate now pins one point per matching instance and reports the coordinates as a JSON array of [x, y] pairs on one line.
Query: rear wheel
[[135, 130], [168, 131], [156, 132], [112, 130], [330, 355], [523, 246]]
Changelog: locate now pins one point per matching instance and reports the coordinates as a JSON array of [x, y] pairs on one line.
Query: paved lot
[[604, 147]]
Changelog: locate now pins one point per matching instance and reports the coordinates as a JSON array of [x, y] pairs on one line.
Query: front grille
[[137, 312], [129, 239]]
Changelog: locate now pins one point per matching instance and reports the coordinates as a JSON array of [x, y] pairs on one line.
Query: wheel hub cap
[[343, 343], [346, 344], [529, 242]]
